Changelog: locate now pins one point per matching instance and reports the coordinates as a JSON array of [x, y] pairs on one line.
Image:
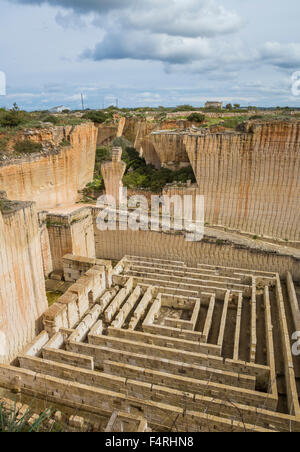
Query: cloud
[[83, 6], [177, 32], [70, 20], [145, 46], [286, 56], [188, 18]]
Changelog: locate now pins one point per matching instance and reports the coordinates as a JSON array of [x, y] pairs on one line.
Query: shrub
[[97, 116], [27, 147], [3, 144], [256, 117], [122, 142], [141, 175], [232, 123], [50, 118], [13, 117], [102, 154], [65, 142], [184, 108], [11, 421], [196, 117]]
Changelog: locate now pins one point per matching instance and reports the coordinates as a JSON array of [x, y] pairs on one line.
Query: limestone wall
[[71, 233], [22, 287], [106, 134], [45, 244], [171, 150], [165, 153], [54, 177], [116, 244], [250, 179]]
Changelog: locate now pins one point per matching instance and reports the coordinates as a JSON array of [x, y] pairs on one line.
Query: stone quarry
[[152, 332]]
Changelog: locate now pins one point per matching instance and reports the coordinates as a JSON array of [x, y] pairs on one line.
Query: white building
[[59, 109]]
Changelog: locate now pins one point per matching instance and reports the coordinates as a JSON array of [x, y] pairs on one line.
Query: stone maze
[[155, 345]]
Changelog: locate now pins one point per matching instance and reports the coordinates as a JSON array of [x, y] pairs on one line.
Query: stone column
[[113, 173]]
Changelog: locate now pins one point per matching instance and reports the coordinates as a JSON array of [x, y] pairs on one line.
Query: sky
[[149, 52]]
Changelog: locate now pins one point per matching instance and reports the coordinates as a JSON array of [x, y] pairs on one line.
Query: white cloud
[[281, 55], [173, 32], [187, 18]]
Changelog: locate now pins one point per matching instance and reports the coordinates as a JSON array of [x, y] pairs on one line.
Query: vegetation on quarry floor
[[138, 174], [13, 421], [52, 297]]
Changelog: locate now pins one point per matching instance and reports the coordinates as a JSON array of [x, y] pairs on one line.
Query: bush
[[122, 142], [13, 117], [53, 119], [141, 175], [184, 108], [196, 117], [12, 421], [102, 154], [232, 123], [97, 116], [3, 144], [27, 147], [257, 117]]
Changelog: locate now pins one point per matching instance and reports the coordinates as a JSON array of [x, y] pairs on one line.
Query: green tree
[[13, 117], [196, 117]]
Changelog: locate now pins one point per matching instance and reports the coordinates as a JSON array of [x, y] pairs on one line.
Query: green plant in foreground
[[13, 421]]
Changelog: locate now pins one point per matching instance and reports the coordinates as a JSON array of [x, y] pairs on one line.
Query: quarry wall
[[106, 134], [22, 288], [250, 179], [54, 177], [116, 244], [170, 148], [70, 233]]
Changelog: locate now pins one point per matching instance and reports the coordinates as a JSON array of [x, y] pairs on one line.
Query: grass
[[12, 421], [52, 297], [65, 143], [16, 119], [5, 206], [27, 147]]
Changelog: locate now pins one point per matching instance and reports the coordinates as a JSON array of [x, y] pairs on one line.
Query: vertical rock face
[[106, 134], [170, 149], [70, 233], [112, 173], [54, 177], [45, 244], [22, 287], [250, 179]]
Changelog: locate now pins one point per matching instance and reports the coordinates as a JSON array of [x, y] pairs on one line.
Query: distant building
[[214, 105], [59, 109]]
